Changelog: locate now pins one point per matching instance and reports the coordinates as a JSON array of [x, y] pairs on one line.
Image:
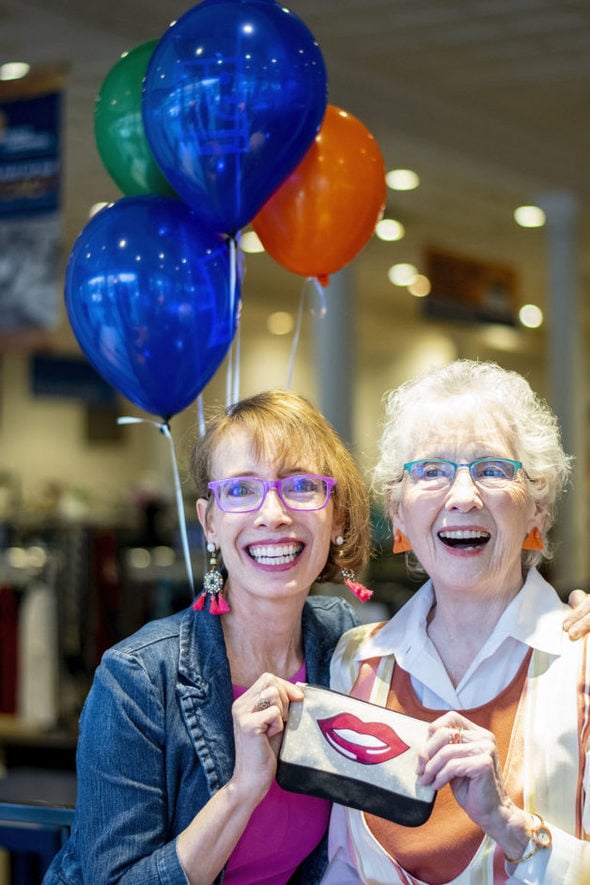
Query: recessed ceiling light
[[390, 230], [402, 274], [280, 322], [531, 316], [402, 180], [420, 286], [529, 216], [14, 70], [500, 337]]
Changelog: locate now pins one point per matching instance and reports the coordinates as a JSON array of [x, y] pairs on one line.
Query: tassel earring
[[362, 593], [533, 541], [212, 586], [400, 543]]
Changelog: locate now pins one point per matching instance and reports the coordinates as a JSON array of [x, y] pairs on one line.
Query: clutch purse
[[355, 753]]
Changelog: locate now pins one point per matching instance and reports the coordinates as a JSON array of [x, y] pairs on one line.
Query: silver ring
[[263, 704]]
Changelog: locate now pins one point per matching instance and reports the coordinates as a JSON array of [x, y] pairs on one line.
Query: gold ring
[[456, 735]]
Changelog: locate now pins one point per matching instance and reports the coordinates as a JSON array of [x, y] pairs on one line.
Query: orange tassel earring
[[533, 541], [400, 542]]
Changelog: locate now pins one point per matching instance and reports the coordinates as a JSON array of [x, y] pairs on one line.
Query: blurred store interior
[[486, 103]]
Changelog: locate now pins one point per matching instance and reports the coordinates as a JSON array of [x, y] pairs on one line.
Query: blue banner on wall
[[30, 179]]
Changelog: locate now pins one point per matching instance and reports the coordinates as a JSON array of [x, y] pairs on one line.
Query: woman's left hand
[[462, 754]]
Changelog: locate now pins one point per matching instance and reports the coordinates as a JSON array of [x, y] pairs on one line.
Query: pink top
[[282, 831]]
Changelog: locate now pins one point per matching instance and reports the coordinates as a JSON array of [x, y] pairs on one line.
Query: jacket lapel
[[205, 695]]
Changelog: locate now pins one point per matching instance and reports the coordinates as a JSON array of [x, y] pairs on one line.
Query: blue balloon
[[149, 297], [234, 94]]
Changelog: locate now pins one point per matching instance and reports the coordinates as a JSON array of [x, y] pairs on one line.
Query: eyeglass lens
[[301, 492], [489, 472]]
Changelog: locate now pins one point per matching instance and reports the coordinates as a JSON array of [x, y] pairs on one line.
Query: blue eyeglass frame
[[277, 485], [469, 464]]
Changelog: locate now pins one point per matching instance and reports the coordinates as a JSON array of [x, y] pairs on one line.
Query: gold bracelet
[[540, 836]]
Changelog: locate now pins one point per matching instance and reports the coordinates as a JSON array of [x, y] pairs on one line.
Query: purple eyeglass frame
[[268, 484]]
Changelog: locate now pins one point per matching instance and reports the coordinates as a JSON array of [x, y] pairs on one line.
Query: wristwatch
[[539, 836]]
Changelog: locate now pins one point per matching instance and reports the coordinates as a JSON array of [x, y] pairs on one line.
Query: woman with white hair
[[471, 468]]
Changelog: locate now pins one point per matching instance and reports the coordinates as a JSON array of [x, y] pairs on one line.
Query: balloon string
[[296, 337], [201, 415], [228, 377], [232, 385], [236, 388], [312, 290], [232, 273], [164, 428]]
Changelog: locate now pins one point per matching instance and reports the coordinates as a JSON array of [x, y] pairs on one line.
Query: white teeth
[[361, 740], [463, 534], [275, 554]]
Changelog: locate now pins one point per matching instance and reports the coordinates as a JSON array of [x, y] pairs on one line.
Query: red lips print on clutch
[[366, 742], [355, 753]]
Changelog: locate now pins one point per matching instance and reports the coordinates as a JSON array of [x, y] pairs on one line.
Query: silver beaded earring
[[212, 586]]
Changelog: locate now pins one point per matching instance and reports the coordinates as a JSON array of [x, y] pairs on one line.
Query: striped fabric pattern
[[553, 728]]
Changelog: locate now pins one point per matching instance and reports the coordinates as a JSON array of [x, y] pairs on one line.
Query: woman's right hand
[[205, 845], [460, 753], [259, 719]]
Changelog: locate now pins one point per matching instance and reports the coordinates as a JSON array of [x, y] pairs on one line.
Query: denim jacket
[[156, 742]]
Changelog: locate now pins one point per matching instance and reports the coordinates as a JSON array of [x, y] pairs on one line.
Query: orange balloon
[[326, 210]]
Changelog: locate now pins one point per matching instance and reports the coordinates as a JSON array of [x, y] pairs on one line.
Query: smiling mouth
[[274, 554], [366, 742], [464, 539]]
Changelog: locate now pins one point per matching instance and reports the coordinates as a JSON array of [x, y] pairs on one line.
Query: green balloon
[[118, 127]]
